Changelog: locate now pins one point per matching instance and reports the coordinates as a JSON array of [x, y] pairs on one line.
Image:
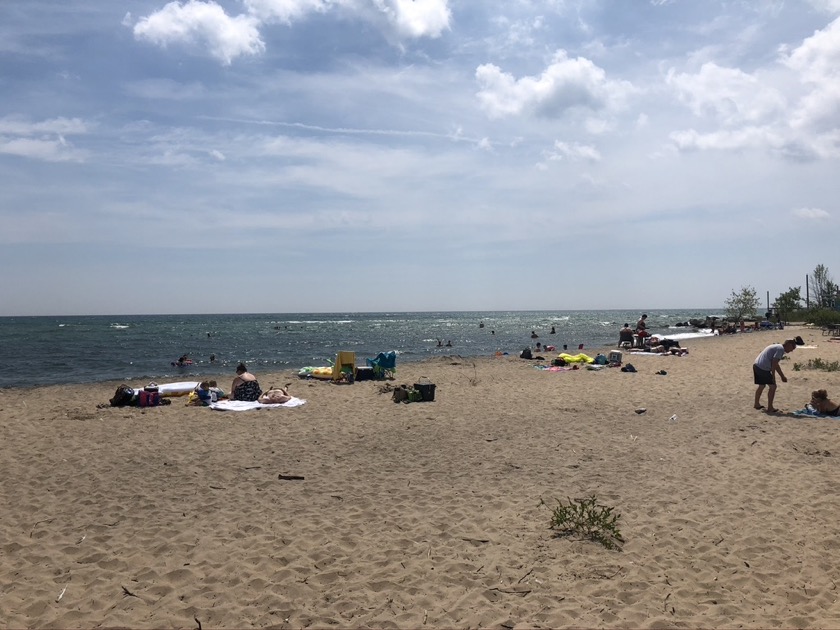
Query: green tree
[[742, 304], [822, 287], [788, 302]]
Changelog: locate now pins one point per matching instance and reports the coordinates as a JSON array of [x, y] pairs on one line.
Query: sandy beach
[[431, 514]]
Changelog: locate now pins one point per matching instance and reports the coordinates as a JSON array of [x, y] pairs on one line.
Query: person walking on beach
[[765, 368]]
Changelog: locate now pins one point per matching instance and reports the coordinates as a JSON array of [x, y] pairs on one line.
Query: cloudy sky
[[367, 155]]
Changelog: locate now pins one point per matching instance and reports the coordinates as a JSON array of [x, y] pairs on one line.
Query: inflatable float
[[324, 373], [181, 388], [575, 358]]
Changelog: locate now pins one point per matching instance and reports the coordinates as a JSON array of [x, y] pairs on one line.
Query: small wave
[[120, 326], [321, 321]]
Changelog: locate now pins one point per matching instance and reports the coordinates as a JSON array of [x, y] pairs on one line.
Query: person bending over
[[245, 386], [765, 368], [821, 402]]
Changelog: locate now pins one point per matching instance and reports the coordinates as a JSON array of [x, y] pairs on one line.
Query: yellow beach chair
[[344, 369]]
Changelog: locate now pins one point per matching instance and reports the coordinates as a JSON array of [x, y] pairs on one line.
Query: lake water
[[82, 349]]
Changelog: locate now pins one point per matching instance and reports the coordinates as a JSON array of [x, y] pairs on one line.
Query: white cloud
[[286, 10], [577, 151], [748, 137], [58, 150], [826, 6], [817, 63], [565, 84], [22, 127], [43, 140], [416, 18], [811, 214], [802, 123], [819, 55], [727, 94], [206, 24], [202, 23]]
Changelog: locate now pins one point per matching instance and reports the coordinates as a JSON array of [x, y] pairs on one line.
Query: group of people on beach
[[635, 337], [245, 387], [766, 367]]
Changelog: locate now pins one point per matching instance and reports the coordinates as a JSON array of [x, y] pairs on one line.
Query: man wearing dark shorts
[[765, 368]]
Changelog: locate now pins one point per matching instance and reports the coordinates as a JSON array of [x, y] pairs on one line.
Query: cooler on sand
[[615, 356]]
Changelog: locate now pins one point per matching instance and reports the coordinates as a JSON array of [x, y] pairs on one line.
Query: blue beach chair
[[384, 365]]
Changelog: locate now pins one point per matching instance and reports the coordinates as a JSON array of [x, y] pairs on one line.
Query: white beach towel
[[246, 405]]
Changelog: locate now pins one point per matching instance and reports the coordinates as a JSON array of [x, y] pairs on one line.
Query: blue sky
[[368, 155]]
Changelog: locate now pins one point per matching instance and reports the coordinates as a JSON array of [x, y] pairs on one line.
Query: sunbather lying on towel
[[274, 396], [664, 346]]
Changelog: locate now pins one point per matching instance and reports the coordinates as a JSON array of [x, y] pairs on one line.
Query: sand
[[431, 514]]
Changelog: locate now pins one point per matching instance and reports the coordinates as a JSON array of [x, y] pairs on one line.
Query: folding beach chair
[[384, 365], [344, 368]]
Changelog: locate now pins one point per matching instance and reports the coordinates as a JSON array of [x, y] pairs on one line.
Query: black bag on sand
[[123, 397], [400, 395], [426, 389]]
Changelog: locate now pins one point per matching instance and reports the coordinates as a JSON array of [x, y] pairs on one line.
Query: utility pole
[[807, 293]]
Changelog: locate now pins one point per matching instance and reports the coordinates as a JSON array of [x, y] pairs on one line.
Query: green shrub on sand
[[588, 520]]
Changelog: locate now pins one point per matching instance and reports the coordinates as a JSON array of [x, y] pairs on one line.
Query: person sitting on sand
[[625, 336], [821, 402], [215, 389], [245, 386], [201, 395]]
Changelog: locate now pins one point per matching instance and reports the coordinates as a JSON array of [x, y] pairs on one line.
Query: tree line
[[820, 309]]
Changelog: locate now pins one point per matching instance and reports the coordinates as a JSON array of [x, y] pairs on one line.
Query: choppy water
[[82, 349]]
